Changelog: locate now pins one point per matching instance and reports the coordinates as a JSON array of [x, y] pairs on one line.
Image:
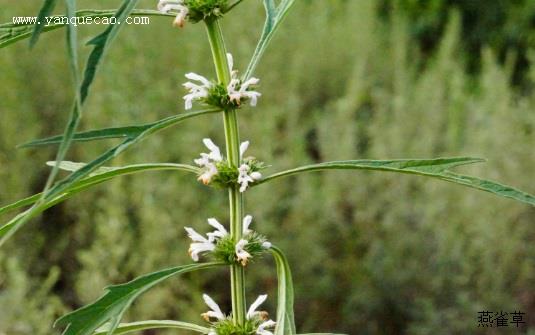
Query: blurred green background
[[372, 253]]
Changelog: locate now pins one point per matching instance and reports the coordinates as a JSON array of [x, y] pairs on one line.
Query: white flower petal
[[180, 19], [196, 248], [216, 311], [252, 309], [215, 153], [220, 232], [243, 148], [194, 235], [167, 5], [210, 171], [267, 324], [246, 223], [245, 85], [256, 175], [230, 61], [198, 77], [242, 255]]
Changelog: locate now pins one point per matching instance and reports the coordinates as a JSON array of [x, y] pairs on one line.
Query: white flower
[[196, 91], [220, 231], [215, 311], [213, 156], [210, 171], [208, 161], [230, 61], [241, 254], [202, 244], [177, 6], [243, 148], [267, 324], [252, 312], [246, 223], [235, 94], [266, 245], [245, 176]]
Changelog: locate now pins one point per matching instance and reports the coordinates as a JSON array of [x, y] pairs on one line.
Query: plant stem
[[232, 140]]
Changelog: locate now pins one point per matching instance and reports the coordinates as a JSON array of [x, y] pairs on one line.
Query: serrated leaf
[[118, 298], [275, 14], [436, 168], [11, 33], [285, 294], [55, 193], [46, 10], [125, 328]]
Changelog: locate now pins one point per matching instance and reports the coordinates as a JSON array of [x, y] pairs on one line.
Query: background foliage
[[372, 253]]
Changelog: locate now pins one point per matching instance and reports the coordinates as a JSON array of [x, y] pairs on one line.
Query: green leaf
[[77, 105], [275, 14], [99, 176], [92, 135], [55, 193], [106, 133], [437, 168], [285, 295], [124, 328], [112, 305], [46, 10], [101, 44], [11, 32]]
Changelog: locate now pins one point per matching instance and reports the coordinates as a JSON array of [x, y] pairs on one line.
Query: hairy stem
[[232, 140]]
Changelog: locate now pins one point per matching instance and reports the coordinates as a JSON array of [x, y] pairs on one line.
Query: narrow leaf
[[285, 295], [112, 305], [101, 44], [436, 168], [107, 133], [91, 135], [124, 328], [55, 193], [46, 10], [274, 17], [77, 105], [99, 176]]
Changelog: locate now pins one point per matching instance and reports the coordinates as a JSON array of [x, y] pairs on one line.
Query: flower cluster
[[257, 321], [224, 247], [215, 169], [193, 10], [214, 94]]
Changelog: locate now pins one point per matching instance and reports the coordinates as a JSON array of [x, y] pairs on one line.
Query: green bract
[[205, 9], [225, 249], [227, 327]]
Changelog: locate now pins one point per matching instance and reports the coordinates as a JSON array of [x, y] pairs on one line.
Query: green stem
[[232, 140]]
